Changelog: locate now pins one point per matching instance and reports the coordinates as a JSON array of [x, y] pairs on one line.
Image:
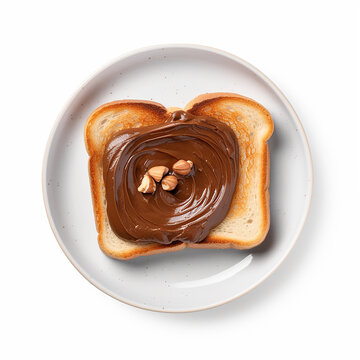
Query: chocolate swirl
[[201, 199]]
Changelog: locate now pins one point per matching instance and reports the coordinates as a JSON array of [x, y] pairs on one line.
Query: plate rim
[[280, 94]]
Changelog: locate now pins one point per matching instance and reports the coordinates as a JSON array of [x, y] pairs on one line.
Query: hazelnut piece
[[157, 172], [147, 185], [183, 167], [169, 182]]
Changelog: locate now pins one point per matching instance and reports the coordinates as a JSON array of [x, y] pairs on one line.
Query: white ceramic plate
[[188, 280]]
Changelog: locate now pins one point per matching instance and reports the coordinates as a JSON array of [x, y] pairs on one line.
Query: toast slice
[[248, 219]]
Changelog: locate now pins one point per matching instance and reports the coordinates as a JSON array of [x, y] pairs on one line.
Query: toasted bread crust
[[159, 112], [135, 252], [152, 113], [202, 100]]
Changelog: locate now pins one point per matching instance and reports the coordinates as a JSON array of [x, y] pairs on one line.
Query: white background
[[309, 308]]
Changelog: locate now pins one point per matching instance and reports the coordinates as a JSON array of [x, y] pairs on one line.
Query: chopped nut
[[147, 185], [157, 172], [183, 167], [169, 182]]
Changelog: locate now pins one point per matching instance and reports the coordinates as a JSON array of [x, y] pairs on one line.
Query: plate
[[187, 280]]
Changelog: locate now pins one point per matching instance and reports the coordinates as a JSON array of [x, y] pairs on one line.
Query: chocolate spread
[[201, 199]]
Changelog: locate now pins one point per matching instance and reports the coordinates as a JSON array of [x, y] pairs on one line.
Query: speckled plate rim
[[278, 93]]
